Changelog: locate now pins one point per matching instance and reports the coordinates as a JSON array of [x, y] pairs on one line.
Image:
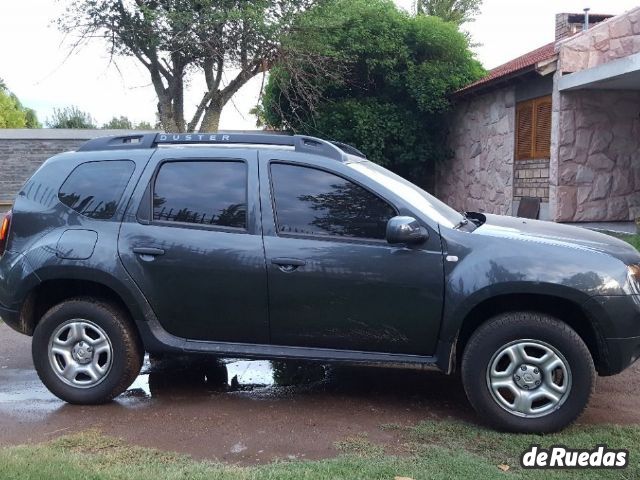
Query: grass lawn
[[432, 450]]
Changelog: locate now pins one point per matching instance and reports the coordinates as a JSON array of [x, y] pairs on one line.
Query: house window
[[533, 129]]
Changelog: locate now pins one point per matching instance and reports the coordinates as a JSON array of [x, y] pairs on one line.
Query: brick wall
[[20, 158], [531, 179], [23, 151]]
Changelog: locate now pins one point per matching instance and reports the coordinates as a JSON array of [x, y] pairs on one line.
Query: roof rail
[[301, 143]]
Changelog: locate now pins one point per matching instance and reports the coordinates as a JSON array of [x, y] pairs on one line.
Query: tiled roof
[[515, 66]]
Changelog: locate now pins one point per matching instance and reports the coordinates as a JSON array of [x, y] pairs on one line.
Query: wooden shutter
[[524, 130], [533, 129], [542, 138]]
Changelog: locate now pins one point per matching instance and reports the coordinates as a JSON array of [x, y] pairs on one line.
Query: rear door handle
[[149, 251], [288, 264]]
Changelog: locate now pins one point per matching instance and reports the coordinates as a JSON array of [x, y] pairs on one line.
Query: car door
[[334, 281], [194, 244]]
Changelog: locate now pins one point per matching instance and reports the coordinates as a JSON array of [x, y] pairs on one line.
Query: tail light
[[4, 232]]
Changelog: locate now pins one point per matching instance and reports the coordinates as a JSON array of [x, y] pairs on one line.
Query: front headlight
[[633, 274]]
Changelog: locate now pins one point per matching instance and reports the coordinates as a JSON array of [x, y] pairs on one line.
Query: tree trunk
[[167, 119], [211, 120]]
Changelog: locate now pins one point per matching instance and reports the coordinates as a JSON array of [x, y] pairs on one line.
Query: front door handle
[[288, 264], [148, 251]]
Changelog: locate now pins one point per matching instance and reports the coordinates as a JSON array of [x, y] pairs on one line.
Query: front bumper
[[617, 322], [622, 353]]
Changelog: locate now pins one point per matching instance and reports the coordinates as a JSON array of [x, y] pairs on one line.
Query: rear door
[[193, 244]]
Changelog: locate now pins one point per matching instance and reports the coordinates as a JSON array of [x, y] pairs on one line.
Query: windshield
[[426, 203]]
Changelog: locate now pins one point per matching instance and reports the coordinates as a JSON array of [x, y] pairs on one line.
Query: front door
[[334, 281], [195, 249]]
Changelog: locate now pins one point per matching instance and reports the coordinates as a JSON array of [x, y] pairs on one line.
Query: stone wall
[[479, 177], [615, 38], [598, 167]]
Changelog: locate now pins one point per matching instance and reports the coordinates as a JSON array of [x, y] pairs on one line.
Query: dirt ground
[[251, 412]]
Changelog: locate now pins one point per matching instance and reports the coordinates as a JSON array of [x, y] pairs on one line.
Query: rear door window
[[207, 193], [94, 189]]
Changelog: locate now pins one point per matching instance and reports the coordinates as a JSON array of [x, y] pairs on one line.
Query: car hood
[[551, 233]]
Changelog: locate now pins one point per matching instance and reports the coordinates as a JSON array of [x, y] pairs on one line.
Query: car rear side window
[[309, 201], [94, 189], [208, 193]]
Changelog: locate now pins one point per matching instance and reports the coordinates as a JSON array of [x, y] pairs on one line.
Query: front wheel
[[86, 351], [528, 372]]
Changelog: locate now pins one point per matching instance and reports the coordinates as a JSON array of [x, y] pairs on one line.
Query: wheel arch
[[565, 310], [71, 284]]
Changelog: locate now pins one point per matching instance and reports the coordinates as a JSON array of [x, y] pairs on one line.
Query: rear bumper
[[11, 318]]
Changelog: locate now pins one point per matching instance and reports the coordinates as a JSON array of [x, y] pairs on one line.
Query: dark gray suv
[[272, 246]]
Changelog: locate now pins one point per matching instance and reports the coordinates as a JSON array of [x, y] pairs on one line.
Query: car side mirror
[[405, 230]]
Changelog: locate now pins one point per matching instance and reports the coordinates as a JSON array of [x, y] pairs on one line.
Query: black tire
[[126, 350], [497, 333]]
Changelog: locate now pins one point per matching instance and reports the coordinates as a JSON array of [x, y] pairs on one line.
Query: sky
[[36, 65]]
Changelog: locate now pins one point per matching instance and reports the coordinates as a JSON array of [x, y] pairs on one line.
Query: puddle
[[177, 377]]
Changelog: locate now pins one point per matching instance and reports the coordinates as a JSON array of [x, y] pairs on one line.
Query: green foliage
[[392, 97], [144, 125], [123, 123], [118, 123], [12, 113], [70, 117], [31, 118], [455, 11]]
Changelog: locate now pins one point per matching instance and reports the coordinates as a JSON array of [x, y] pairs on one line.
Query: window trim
[[312, 236], [118, 201], [190, 225]]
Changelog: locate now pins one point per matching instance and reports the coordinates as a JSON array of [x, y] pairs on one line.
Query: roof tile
[[516, 65]]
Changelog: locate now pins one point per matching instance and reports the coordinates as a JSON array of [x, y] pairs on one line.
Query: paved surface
[[256, 411]]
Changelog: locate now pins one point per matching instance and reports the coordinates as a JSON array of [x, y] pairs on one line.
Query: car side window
[[309, 201], [94, 189], [208, 193]]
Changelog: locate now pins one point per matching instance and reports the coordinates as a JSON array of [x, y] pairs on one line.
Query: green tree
[[70, 117], [12, 113], [455, 11], [392, 98], [118, 123], [228, 42], [144, 125]]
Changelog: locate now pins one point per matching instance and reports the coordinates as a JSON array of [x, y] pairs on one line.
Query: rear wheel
[[86, 351], [528, 372]]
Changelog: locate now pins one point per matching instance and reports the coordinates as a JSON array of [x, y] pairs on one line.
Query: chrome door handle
[[148, 251], [288, 264]]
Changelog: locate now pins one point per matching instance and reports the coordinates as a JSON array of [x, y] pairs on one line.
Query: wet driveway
[[255, 411]]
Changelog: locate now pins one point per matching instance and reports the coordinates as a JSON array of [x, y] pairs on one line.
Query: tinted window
[[207, 193], [310, 201], [94, 189]]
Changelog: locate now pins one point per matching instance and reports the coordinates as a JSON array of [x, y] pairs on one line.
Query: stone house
[[560, 124]]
